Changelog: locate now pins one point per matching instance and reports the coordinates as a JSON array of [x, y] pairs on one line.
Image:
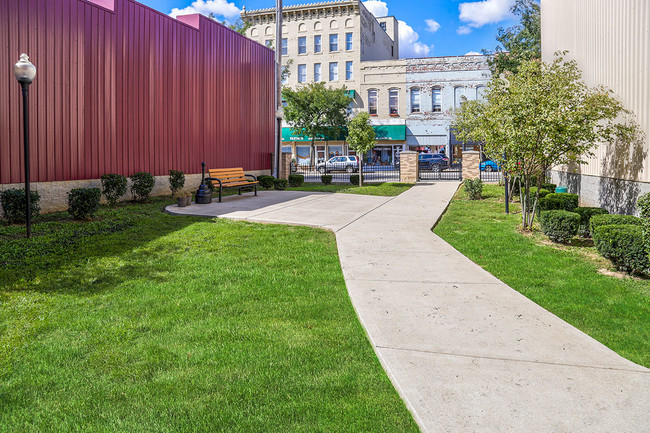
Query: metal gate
[[491, 175], [371, 173], [441, 172]]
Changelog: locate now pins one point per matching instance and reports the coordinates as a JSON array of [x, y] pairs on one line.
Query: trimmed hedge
[[474, 188], [266, 181], [280, 184], [559, 225], [605, 220], [550, 187], [643, 204], [585, 216], [113, 187], [354, 179], [13, 204], [326, 179], [296, 180], [561, 201], [83, 202], [623, 245], [142, 184]]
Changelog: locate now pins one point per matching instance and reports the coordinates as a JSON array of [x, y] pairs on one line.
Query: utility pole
[[278, 88]]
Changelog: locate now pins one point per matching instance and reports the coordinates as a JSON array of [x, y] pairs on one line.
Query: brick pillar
[[471, 164], [285, 166], [409, 169]]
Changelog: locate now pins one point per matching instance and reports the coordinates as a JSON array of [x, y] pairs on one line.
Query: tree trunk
[[360, 170]]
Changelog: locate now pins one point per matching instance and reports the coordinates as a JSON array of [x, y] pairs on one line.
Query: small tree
[[543, 116], [316, 111], [361, 138]]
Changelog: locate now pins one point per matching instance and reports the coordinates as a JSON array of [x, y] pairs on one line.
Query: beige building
[[326, 42], [611, 45]]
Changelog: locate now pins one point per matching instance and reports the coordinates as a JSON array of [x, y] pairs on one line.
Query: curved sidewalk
[[466, 352]]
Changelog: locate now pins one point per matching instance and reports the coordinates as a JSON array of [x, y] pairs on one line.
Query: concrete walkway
[[466, 352]]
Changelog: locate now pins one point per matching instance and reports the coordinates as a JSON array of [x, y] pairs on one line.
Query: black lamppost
[[25, 73]]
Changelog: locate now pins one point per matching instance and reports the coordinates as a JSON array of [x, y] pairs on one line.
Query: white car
[[339, 163]]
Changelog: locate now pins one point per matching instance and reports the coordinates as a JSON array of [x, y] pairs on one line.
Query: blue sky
[[427, 27]]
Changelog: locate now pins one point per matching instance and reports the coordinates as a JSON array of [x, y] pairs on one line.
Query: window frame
[[320, 72], [436, 108], [284, 46], [302, 48], [413, 92], [393, 92], [302, 66], [373, 94], [335, 70], [335, 43], [318, 48], [349, 44], [349, 73]]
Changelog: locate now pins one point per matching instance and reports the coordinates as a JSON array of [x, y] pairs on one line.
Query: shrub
[[473, 188], [623, 245], [280, 184], [296, 180], [176, 181], [113, 187], [266, 181], [643, 205], [515, 187], [585, 216], [326, 179], [556, 201], [550, 187], [559, 225], [606, 220], [142, 184], [354, 179], [542, 193], [83, 202], [14, 204]]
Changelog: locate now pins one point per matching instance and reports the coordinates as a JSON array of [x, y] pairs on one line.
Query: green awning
[[350, 93], [288, 135], [383, 132]]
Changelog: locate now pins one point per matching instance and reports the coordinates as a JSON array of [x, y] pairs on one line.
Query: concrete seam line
[[444, 211], [560, 364], [371, 210]]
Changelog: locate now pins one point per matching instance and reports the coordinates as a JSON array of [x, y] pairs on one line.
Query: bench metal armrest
[[250, 175], [212, 179]]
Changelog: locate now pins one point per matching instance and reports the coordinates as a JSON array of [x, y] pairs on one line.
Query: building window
[[383, 26], [302, 73], [285, 47], [480, 93], [393, 101], [318, 45], [459, 97], [302, 45], [415, 100], [348, 41], [334, 42], [269, 43], [437, 100], [317, 73], [349, 72], [372, 102], [334, 71]]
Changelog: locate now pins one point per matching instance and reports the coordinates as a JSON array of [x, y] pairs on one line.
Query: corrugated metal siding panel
[[131, 90], [610, 40]]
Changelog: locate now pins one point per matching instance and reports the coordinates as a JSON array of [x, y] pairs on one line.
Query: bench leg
[[239, 192], [220, 191], [255, 189]]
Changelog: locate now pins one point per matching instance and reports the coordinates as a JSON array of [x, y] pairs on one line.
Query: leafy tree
[[521, 42], [316, 111], [361, 138], [541, 117], [240, 26]]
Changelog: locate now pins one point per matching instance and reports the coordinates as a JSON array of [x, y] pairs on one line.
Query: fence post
[[409, 169], [471, 164]]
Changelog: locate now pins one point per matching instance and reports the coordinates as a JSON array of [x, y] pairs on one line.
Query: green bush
[[559, 225], [354, 179], [542, 193], [266, 181], [176, 180], [555, 201], [550, 187], [623, 245], [606, 220], [280, 184], [326, 179], [643, 205], [113, 187], [296, 180], [142, 184], [14, 204], [474, 188], [585, 216], [515, 187], [83, 202]]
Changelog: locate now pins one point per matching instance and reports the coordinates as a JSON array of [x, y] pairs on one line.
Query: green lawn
[[142, 321], [388, 189], [564, 280]]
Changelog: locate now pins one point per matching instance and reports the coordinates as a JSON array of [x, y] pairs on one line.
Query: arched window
[[334, 24], [480, 93], [459, 97], [372, 102], [436, 99], [302, 27], [255, 32], [415, 100], [393, 102], [318, 25]]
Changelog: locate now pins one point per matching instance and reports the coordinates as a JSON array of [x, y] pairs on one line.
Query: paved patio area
[[466, 352]]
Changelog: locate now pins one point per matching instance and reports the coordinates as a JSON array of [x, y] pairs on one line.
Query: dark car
[[433, 161]]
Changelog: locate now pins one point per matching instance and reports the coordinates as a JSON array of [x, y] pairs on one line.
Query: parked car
[[339, 163], [489, 165], [433, 161]]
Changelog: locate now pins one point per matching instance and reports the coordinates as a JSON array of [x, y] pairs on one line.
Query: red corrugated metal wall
[[131, 89]]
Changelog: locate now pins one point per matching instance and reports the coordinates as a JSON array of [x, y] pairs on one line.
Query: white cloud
[[463, 30], [408, 42], [473, 53], [477, 14], [432, 25], [206, 7], [377, 8]]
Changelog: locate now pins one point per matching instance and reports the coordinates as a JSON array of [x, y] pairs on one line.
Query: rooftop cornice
[[306, 6]]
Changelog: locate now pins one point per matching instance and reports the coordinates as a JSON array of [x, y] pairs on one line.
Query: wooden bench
[[232, 178]]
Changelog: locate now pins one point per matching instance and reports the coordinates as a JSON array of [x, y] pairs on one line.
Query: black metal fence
[[371, 173], [441, 172], [491, 175]]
